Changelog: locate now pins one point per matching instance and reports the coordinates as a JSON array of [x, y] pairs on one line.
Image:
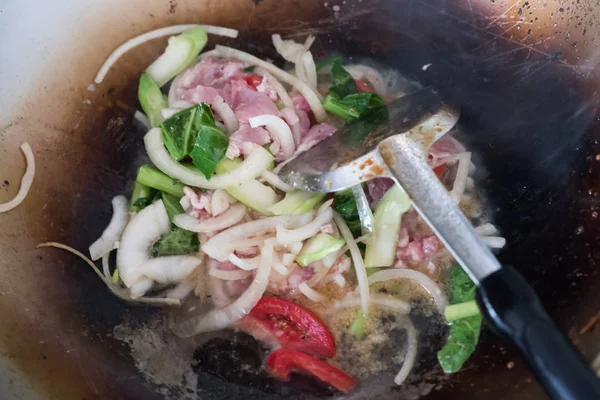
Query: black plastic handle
[[514, 310]]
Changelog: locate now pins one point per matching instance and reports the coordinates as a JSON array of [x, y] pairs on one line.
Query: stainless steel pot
[[525, 74]]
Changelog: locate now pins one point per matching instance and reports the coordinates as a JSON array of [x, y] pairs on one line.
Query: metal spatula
[[396, 149]]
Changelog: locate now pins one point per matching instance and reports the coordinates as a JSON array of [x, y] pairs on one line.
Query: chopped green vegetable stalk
[[181, 52], [297, 202], [115, 277], [381, 245], [172, 205], [357, 328], [157, 180], [318, 247], [141, 197], [464, 333], [193, 132], [151, 99], [345, 204], [342, 83], [176, 242], [461, 310], [252, 193]]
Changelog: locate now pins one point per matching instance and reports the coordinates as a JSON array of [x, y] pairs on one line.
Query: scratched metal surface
[[524, 72]]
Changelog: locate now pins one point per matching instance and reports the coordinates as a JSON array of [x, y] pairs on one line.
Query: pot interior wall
[[527, 114]]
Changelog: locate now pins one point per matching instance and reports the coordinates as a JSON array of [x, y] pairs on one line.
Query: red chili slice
[[439, 171], [283, 361], [294, 326], [365, 86], [253, 80]]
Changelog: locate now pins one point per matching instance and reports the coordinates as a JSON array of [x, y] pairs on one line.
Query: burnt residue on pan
[[527, 111]]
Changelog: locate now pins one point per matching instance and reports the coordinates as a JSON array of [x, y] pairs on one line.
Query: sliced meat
[[243, 140], [378, 187], [443, 148], [316, 135]]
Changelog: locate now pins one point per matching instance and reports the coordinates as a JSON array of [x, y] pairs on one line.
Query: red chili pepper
[[439, 171], [253, 80], [293, 326], [362, 85], [283, 361]]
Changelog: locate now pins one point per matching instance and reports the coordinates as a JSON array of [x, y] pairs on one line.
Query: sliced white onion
[[389, 302], [321, 272], [357, 260], [26, 180], [486, 229], [294, 248], [114, 230], [244, 244], [226, 114], [185, 203], [281, 269], [181, 290], [155, 34], [257, 162], [247, 264], [273, 180], [285, 236], [330, 259], [411, 352], [143, 230], [170, 269], [339, 280], [287, 259], [281, 92], [280, 133], [140, 288], [367, 220], [235, 275], [225, 242], [116, 290], [310, 69], [310, 292], [312, 96], [462, 172], [106, 266], [291, 50], [142, 119], [230, 217], [219, 319], [220, 201], [426, 282], [169, 112], [494, 242]]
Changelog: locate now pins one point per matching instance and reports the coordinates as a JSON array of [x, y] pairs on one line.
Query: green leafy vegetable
[[345, 204], [353, 106], [172, 205], [155, 179], [464, 333], [357, 328], [141, 197], [177, 241], [324, 62], [151, 99], [250, 68], [318, 247], [193, 132], [342, 83]]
